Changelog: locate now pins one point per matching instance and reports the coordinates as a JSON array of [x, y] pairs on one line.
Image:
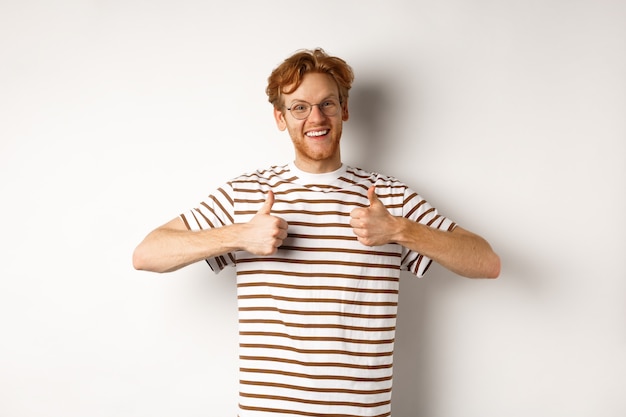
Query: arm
[[460, 251], [172, 246]]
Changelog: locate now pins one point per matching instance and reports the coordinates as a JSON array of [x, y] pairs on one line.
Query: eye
[[299, 107], [329, 104]]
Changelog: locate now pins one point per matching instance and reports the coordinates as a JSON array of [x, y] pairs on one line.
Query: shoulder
[[267, 176], [369, 178], [266, 173]]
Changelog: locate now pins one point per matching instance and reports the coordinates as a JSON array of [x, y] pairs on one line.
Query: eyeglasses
[[301, 109]]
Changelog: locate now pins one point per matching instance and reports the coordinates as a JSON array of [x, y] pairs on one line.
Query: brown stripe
[[317, 262], [206, 219], [324, 237], [309, 376], [430, 223], [343, 203], [319, 338], [320, 313], [317, 275], [426, 213], [184, 217], [318, 300], [417, 262], [319, 326], [318, 287], [257, 182], [221, 207], [299, 212], [226, 195], [302, 413], [311, 389], [221, 263], [317, 351], [315, 402], [320, 225], [340, 250], [317, 364]]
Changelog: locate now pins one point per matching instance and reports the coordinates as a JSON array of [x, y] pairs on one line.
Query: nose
[[316, 113]]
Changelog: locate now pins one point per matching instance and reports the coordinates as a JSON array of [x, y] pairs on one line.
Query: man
[[318, 247]]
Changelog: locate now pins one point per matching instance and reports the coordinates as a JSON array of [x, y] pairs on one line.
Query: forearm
[[460, 251], [172, 246], [167, 249]]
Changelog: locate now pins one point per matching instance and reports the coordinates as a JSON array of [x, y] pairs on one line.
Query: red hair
[[287, 77]]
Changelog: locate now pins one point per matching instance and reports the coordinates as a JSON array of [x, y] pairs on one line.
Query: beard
[[317, 150]]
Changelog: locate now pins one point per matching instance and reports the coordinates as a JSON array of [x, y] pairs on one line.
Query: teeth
[[318, 133]]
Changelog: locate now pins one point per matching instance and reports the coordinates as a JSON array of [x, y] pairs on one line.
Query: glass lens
[[301, 110], [329, 107]]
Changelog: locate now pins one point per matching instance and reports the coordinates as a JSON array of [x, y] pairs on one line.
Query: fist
[[265, 233], [373, 225]]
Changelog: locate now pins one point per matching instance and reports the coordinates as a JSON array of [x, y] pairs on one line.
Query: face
[[316, 138]]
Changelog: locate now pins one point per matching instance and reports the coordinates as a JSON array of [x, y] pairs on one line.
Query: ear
[[279, 116], [345, 114]]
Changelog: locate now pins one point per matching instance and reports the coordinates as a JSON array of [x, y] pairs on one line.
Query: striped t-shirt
[[317, 319]]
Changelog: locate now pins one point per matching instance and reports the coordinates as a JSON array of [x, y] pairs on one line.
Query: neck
[[318, 167]]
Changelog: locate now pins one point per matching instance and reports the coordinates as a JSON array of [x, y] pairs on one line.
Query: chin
[[321, 156]]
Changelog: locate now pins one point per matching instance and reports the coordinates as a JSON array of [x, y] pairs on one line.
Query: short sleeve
[[419, 210], [217, 210]]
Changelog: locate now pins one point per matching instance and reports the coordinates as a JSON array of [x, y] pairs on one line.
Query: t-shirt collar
[[326, 178]]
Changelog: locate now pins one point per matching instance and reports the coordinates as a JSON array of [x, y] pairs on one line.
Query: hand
[[264, 233], [374, 225]]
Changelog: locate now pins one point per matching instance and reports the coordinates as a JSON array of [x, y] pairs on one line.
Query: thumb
[[269, 202], [372, 197]]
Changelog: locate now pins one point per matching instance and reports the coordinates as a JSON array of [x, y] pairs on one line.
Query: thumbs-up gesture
[[265, 233], [373, 225]]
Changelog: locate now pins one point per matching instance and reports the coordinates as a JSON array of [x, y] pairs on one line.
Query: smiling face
[[316, 138]]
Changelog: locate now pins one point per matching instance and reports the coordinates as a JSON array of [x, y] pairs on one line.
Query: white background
[[115, 116]]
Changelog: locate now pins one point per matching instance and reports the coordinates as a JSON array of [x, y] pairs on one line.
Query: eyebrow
[[325, 98]]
